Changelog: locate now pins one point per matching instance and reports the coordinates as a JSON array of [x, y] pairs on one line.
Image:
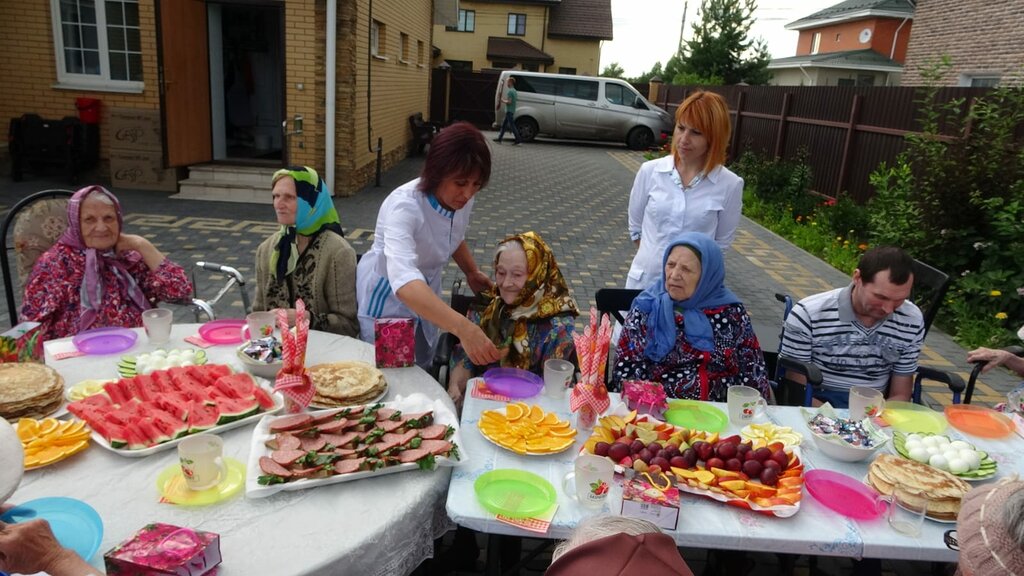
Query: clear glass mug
[[590, 480], [745, 405], [157, 324], [202, 461], [907, 509], [557, 374]]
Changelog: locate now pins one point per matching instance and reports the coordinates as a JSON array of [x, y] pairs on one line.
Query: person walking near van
[[510, 99]]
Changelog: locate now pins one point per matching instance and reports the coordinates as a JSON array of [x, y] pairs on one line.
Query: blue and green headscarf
[[314, 214]]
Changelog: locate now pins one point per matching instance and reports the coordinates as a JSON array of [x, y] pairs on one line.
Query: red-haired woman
[[689, 190], [420, 225]]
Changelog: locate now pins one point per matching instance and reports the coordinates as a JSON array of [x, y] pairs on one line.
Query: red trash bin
[[88, 110]]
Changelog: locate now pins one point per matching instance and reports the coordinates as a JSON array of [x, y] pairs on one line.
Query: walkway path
[[574, 195]]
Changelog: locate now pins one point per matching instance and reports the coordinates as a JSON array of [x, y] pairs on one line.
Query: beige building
[[562, 36], [233, 91], [982, 40]]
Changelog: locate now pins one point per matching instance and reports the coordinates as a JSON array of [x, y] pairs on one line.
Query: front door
[[184, 81]]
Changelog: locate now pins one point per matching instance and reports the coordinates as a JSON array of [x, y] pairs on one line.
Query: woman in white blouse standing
[[687, 191], [420, 225]]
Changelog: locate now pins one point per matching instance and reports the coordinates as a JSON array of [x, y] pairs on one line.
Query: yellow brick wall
[[28, 69], [304, 65], [399, 89]]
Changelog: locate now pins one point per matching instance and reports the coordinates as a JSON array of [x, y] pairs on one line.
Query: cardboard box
[[642, 500], [165, 549], [132, 129], [141, 170], [23, 343]]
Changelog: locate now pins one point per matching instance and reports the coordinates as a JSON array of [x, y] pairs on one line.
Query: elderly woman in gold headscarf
[[530, 316]]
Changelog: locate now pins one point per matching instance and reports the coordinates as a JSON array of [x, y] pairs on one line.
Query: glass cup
[[157, 323], [557, 374], [590, 480], [202, 461], [259, 325], [865, 402], [907, 509], [745, 405]]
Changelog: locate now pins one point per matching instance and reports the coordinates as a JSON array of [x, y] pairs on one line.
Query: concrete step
[[226, 183]]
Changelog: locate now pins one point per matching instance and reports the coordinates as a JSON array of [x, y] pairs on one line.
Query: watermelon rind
[[232, 410]]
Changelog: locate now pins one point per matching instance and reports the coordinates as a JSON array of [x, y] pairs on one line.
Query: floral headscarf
[[544, 295], [314, 213], [710, 292], [96, 262]]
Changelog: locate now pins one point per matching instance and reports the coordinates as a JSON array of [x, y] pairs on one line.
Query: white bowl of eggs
[[957, 457]]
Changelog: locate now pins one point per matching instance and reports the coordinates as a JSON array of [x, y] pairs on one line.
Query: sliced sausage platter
[[312, 449]]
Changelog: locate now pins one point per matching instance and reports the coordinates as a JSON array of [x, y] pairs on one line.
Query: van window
[[581, 89], [618, 94], [536, 84]]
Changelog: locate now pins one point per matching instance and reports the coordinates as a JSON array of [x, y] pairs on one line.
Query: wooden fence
[[843, 133]]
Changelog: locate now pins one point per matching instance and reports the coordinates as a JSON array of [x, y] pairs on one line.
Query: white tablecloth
[[383, 525], [704, 523]]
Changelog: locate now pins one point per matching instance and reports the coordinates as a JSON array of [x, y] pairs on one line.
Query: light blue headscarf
[[710, 292]]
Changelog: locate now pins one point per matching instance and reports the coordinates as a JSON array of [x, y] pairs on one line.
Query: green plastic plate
[[696, 415], [908, 418], [514, 493]]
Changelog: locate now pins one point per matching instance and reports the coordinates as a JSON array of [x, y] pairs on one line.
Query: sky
[[647, 31]]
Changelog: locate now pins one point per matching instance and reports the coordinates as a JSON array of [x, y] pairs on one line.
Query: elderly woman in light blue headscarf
[[308, 257], [689, 332]]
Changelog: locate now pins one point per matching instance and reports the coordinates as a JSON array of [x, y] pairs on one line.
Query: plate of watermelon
[[150, 413]]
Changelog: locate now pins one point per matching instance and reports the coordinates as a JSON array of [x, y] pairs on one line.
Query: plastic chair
[[1015, 350], [930, 287], [615, 301]]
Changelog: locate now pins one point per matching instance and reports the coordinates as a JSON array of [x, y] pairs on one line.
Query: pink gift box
[[165, 549], [395, 342]]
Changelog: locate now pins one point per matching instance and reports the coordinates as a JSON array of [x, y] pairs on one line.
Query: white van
[[587, 108]]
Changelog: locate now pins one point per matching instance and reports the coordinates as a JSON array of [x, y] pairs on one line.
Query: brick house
[[235, 89], [853, 43], [561, 36], [982, 40]]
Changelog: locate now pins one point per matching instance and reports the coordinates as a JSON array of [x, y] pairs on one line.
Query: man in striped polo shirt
[[866, 334]]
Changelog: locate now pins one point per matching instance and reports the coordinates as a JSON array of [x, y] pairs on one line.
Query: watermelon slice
[[136, 438], [138, 390], [201, 417], [231, 410], [155, 433], [169, 425], [117, 391], [162, 380], [265, 400], [212, 371], [236, 385], [174, 406], [113, 433]]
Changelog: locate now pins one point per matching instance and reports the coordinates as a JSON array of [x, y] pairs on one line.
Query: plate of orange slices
[[50, 440], [526, 429]]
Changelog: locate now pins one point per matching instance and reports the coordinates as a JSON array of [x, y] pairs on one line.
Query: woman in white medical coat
[[420, 225]]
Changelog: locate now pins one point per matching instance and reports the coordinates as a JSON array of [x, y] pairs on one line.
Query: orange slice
[[570, 433], [513, 412], [47, 426], [536, 414], [551, 419], [28, 429], [526, 429]]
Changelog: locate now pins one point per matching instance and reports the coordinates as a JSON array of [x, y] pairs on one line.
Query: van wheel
[[527, 128], [639, 138]]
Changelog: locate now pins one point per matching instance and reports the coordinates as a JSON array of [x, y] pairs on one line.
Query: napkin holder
[[159, 549], [23, 343], [394, 342]]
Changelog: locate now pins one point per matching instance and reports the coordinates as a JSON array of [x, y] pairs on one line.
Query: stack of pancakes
[[347, 383], [29, 390], [944, 490]]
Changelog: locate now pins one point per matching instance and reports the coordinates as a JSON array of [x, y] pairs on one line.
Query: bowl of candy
[[262, 357], [841, 438]]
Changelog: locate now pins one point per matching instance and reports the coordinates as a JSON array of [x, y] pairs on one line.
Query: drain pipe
[[332, 40], [369, 97], [895, 37]]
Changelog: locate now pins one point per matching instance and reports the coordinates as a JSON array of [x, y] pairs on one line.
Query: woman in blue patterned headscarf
[[308, 257], [689, 332]]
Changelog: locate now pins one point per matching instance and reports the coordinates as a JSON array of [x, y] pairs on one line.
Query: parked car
[[586, 108]]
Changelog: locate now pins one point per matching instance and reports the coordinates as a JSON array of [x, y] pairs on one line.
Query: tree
[[612, 70], [721, 47], [646, 76]]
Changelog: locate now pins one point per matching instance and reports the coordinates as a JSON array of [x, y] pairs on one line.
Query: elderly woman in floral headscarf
[[688, 332], [531, 316], [308, 257], [96, 275]]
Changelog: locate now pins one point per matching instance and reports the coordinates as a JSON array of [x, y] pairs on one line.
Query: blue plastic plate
[[75, 524]]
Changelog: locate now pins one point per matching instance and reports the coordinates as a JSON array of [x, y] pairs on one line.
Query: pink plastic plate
[[513, 382], [226, 331], [104, 340], [843, 494]]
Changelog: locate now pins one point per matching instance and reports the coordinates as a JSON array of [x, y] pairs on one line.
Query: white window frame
[[815, 42], [378, 39], [967, 78], [98, 82]]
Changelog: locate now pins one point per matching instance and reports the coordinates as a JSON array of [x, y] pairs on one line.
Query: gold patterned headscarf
[[544, 295]]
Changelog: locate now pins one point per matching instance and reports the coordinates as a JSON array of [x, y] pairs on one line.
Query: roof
[[853, 59], [591, 19], [516, 50], [855, 10]]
